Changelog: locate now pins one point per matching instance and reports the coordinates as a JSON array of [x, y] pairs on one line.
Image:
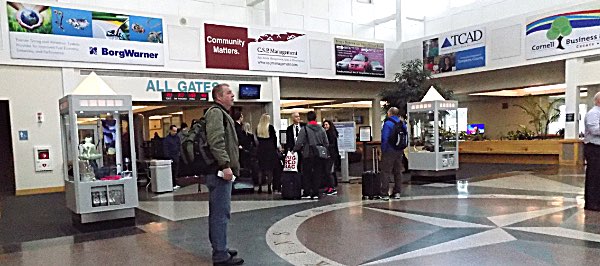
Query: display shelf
[[433, 135], [102, 150]]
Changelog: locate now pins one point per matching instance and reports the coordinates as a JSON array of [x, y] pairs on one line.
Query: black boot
[[269, 186]]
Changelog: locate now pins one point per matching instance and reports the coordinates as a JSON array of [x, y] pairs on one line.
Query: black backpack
[[399, 137], [203, 157]]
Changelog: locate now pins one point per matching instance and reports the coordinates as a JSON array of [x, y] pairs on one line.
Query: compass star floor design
[[494, 215]]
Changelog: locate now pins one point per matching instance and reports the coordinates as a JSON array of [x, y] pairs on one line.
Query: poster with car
[[455, 51], [358, 58], [43, 32], [242, 48]]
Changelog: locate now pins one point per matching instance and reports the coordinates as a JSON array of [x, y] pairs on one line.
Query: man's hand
[[227, 174]]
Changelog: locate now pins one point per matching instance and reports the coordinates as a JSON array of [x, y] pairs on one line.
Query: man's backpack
[[203, 157], [399, 137]]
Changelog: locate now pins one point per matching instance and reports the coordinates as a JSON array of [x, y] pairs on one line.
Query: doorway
[[7, 169]]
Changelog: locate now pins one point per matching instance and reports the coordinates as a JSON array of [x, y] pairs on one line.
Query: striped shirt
[[592, 126]]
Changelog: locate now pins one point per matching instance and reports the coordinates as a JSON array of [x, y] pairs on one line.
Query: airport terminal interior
[[94, 95]]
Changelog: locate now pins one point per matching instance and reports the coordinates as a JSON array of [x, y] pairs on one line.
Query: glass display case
[[433, 135], [99, 176]]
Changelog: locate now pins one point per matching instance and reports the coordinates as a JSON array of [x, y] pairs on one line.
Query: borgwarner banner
[[231, 47], [55, 33], [562, 33], [455, 51], [357, 58]]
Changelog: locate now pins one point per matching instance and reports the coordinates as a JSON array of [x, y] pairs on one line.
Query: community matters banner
[[455, 51], [562, 33], [358, 58], [56, 33], [231, 47]]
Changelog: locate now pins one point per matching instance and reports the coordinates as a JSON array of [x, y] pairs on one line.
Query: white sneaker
[[176, 187]]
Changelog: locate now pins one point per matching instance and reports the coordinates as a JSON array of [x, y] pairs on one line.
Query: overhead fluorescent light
[[158, 116], [177, 113], [296, 110], [292, 103], [357, 104]]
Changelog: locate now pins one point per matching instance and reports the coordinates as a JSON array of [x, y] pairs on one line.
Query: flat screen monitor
[[473, 129], [249, 91]]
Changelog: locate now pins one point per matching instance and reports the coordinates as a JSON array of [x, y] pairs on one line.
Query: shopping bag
[[291, 162]]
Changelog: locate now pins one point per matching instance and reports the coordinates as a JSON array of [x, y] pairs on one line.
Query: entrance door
[[7, 170]]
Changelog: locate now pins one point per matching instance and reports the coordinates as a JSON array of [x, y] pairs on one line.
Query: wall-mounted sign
[[356, 58], [23, 135], [570, 117], [185, 96], [43, 32], [252, 49], [455, 51], [562, 33]]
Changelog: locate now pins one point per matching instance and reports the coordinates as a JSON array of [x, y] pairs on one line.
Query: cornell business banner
[[43, 32], [252, 49], [562, 33]]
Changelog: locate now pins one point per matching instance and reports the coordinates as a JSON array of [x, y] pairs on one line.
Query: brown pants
[[391, 167]]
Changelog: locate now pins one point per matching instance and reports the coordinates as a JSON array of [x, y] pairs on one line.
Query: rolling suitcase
[[291, 185], [371, 182]]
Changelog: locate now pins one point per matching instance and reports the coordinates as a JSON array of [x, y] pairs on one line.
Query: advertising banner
[[562, 33], [231, 47], [455, 51], [62, 34], [357, 58]]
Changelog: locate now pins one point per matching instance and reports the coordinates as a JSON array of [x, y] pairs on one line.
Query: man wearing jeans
[[223, 143], [391, 158], [592, 156]]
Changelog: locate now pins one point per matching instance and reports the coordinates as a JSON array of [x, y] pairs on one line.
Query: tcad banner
[[455, 51], [562, 33], [358, 58], [231, 47], [56, 33]]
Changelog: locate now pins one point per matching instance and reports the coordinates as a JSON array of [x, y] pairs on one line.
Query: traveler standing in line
[[172, 146], [243, 141], [391, 158], [223, 143], [592, 156], [313, 167], [332, 135], [251, 162], [291, 133], [267, 148]]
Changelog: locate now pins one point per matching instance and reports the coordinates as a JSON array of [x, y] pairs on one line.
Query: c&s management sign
[[562, 33]]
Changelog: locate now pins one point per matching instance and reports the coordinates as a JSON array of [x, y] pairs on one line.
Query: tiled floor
[[495, 215]]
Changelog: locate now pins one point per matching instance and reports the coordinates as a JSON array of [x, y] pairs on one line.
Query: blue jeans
[[219, 213]]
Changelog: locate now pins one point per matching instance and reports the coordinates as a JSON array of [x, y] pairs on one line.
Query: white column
[[398, 21], [375, 119], [274, 107], [271, 13], [572, 98]]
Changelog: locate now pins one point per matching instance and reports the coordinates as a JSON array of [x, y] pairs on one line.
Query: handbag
[[317, 150]]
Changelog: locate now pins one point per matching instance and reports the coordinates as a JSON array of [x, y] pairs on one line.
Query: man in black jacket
[[292, 131], [172, 146]]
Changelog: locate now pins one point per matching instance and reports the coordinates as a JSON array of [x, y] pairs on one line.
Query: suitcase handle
[[375, 160]]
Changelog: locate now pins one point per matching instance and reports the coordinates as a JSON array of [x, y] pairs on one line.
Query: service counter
[[563, 152]]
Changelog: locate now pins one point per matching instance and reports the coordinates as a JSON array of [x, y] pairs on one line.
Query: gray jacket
[[316, 135], [223, 141]]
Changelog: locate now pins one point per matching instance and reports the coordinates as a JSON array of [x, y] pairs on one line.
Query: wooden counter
[[556, 151]]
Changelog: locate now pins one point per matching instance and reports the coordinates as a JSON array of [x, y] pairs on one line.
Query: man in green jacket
[[223, 143]]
